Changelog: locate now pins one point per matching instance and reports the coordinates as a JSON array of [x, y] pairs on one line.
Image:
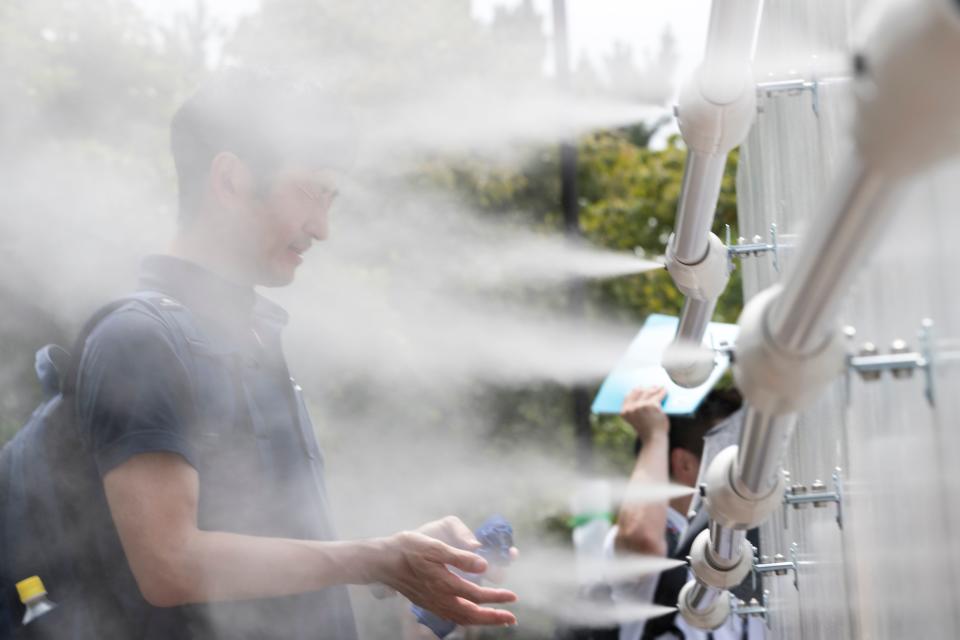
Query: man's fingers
[[460, 534], [641, 395], [463, 560], [481, 595], [470, 613]]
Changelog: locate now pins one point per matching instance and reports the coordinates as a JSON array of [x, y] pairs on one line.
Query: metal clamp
[[790, 87], [753, 608], [799, 496], [779, 567], [901, 361], [754, 248], [796, 87]]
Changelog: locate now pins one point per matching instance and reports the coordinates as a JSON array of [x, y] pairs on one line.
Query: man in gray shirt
[[216, 522]]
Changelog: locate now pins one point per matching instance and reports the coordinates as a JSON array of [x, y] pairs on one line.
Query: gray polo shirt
[[224, 401]]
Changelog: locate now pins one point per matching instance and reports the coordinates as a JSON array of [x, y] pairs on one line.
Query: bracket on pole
[[901, 361], [756, 247], [800, 495], [753, 608], [780, 566], [790, 87]]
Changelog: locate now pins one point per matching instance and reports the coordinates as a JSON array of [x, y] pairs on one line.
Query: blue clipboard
[[640, 366]]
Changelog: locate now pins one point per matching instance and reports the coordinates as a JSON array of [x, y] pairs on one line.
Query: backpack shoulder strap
[[171, 312]]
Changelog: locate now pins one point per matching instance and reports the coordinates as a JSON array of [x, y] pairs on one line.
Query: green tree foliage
[[629, 197]]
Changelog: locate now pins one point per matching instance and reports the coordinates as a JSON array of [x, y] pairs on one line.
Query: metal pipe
[[694, 319], [702, 176], [725, 545], [763, 442], [701, 597], [832, 253], [731, 40]]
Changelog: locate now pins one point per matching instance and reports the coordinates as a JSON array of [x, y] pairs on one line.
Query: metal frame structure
[[789, 348]]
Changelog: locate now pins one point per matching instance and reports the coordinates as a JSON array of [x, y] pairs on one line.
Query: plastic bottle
[[496, 538], [33, 595], [591, 510]]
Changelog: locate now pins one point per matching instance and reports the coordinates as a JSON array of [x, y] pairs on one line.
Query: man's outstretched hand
[[416, 566]]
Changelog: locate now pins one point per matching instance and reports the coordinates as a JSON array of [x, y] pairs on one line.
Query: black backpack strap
[[176, 316], [699, 522]]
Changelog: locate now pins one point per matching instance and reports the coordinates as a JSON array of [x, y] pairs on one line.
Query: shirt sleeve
[[133, 391]]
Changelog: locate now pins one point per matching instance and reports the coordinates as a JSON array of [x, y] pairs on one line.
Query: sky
[[594, 25]]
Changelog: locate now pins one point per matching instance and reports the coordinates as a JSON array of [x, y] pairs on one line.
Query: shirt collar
[[206, 293]]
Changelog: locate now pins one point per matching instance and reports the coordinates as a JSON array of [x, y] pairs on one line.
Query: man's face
[[287, 214]]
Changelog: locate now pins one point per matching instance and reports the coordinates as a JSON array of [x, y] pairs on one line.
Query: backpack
[[49, 482]]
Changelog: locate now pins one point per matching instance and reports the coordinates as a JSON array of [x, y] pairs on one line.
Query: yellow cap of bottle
[[30, 588]]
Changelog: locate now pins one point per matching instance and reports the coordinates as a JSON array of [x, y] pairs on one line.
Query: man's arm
[[153, 499], [641, 526]]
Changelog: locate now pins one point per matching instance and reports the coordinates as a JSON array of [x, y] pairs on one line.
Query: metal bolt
[[798, 490], [779, 558], [869, 349], [850, 332], [818, 487], [754, 602], [901, 346]]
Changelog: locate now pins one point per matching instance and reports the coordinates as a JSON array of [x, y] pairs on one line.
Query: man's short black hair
[[265, 120], [686, 432]]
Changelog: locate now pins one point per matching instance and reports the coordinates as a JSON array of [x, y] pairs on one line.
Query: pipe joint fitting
[[710, 574], [715, 113], [708, 618], [773, 381], [726, 505], [706, 279]]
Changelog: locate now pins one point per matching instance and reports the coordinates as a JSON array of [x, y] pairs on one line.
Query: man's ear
[[684, 466], [231, 182]]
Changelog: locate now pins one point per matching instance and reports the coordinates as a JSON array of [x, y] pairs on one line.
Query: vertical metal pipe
[[833, 251], [701, 597], [763, 442], [725, 545], [732, 33], [694, 319], [702, 176]]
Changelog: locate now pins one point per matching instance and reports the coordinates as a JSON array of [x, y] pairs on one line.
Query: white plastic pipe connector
[[706, 279], [905, 84], [726, 505], [775, 381], [686, 361], [713, 122], [711, 575], [708, 617]]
